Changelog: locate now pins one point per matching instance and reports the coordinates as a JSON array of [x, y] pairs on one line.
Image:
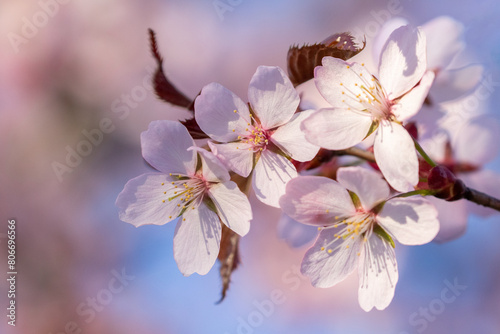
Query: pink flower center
[[190, 189], [255, 135]]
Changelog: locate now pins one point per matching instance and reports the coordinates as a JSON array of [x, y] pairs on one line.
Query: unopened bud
[[445, 184]]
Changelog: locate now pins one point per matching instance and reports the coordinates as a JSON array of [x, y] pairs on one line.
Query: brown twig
[[482, 199]]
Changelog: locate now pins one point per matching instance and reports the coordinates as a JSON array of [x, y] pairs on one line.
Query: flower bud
[[445, 184]]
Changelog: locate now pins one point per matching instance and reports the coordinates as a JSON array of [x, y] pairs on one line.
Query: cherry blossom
[[261, 137], [193, 186], [363, 104], [357, 224]]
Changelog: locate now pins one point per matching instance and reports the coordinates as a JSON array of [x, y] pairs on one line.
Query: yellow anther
[[335, 226], [348, 66], [341, 84], [234, 130], [163, 201], [319, 228], [346, 246], [235, 111], [169, 217], [162, 184], [359, 254], [330, 251], [362, 64], [183, 219], [322, 248], [164, 193], [179, 205], [327, 211]]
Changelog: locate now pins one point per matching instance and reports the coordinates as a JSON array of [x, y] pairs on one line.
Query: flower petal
[[232, 206], [270, 176], [144, 200], [411, 103], [237, 156], [367, 184], [164, 146], [336, 129], [272, 96], [197, 240], [444, 41], [412, 220], [452, 218], [340, 82], [291, 139], [316, 200], [212, 168], [330, 260], [396, 156], [403, 61], [295, 233], [378, 274], [214, 112], [453, 84]]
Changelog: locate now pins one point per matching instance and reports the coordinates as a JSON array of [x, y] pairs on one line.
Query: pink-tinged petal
[[196, 240], [164, 146], [237, 156], [212, 168], [378, 274], [452, 218], [444, 41], [310, 98], [412, 220], [486, 181], [412, 102], [145, 200], [403, 61], [367, 184], [336, 129], [383, 35], [330, 260], [396, 156], [453, 84], [294, 233], [232, 206], [340, 82], [316, 200], [214, 112], [291, 139], [477, 141], [270, 176], [272, 96]]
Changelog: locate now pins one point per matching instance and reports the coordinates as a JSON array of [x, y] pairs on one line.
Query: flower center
[[369, 93], [255, 135], [357, 226], [188, 190]]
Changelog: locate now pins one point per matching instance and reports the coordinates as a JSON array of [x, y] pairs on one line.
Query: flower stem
[[423, 154], [422, 192], [482, 199]]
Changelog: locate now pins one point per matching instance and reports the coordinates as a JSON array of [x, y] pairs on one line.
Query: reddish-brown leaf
[[229, 258], [302, 60]]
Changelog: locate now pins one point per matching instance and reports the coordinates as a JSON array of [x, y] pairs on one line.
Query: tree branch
[[482, 199]]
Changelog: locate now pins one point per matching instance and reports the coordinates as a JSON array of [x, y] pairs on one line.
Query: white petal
[[403, 61], [291, 139], [270, 176], [310, 97], [272, 96], [383, 35], [294, 233], [316, 200], [454, 84], [237, 156], [340, 82], [336, 129], [396, 156], [412, 220], [212, 168], [214, 112], [477, 141], [444, 41], [367, 184], [325, 268], [452, 218], [232, 206], [143, 200], [197, 240], [411, 103], [164, 146], [378, 274]]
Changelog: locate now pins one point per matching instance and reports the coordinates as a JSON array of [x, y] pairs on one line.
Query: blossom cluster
[[291, 156]]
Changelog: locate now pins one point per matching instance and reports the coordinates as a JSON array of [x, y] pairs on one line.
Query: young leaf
[[301, 61], [229, 258]]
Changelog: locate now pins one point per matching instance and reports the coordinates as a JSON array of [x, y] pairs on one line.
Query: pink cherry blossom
[[362, 103], [261, 139], [200, 197], [357, 222]]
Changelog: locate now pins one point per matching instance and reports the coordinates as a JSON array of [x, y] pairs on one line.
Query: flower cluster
[[293, 158]]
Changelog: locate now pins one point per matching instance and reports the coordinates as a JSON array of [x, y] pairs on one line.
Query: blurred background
[[70, 67]]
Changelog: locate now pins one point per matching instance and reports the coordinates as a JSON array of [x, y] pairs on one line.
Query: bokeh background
[[89, 61]]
